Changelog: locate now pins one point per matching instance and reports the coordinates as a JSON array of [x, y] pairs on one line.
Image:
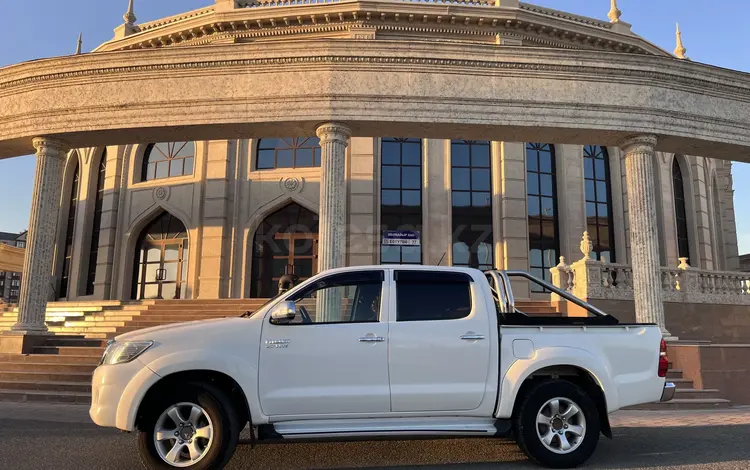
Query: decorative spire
[[80, 44], [614, 13], [680, 49], [129, 17]]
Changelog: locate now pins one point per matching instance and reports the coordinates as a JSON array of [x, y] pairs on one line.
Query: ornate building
[[205, 155]]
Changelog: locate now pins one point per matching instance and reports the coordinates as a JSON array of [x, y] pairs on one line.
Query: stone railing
[[591, 279]]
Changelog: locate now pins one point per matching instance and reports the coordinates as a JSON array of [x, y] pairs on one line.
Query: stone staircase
[[686, 396], [60, 370]]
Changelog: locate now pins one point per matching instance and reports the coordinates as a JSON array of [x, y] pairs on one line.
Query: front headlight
[[120, 353]]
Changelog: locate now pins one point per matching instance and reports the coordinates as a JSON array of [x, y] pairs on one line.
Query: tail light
[[663, 359]]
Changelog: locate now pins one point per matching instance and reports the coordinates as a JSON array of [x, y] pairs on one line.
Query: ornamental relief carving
[[161, 193], [292, 184]]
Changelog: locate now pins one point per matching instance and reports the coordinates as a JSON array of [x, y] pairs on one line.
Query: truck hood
[[166, 332]]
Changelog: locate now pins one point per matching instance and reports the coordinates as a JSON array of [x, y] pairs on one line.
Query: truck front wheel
[[190, 426], [557, 424]]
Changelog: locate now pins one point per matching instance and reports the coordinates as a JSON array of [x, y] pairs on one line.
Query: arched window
[[401, 196], [168, 160], [471, 193], [599, 202], [680, 211], [96, 225], [541, 187], [301, 152], [69, 228], [161, 260]]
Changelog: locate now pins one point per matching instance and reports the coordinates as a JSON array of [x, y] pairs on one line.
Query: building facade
[[10, 282], [208, 153], [219, 219]]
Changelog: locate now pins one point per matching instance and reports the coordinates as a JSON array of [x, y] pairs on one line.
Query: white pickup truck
[[380, 351]]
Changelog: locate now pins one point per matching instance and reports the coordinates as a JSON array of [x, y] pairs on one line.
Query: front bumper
[[108, 388], [668, 393]]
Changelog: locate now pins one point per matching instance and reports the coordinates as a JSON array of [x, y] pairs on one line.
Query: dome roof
[[474, 21]]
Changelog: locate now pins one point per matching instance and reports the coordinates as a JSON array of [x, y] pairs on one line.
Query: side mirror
[[283, 313]]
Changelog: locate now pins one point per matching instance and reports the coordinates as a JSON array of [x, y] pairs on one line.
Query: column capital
[[45, 143], [333, 132], [639, 143]]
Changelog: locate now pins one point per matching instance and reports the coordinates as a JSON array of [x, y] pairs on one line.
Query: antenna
[[442, 258]]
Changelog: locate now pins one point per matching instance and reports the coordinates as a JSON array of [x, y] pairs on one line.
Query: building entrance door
[[161, 261], [298, 256]]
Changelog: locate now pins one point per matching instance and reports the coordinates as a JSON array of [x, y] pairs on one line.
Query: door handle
[[472, 337], [371, 339]]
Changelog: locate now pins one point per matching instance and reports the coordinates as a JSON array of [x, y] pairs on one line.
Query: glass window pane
[[545, 162], [391, 153], [411, 198], [170, 272], [460, 254], [169, 291], [461, 199], [285, 159], [480, 179], [411, 153], [265, 159], [480, 199], [548, 207], [547, 185], [601, 191], [170, 252], [390, 254], [460, 155], [590, 209], [304, 158], [391, 198], [411, 254], [162, 170], [460, 179], [550, 259], [410, 176], [533, 206], [153, 254], [317, 157], [303, 267], [600, 173], [303, 247], [532, 160], [279, 266], [480, 155], [150, 171], [175, 168], [420, 301], [590, 191], [188, 166], [532, 183], [603, 210], [151, 291], [151, 270], [535, 257], [588, 168], [391, 177]]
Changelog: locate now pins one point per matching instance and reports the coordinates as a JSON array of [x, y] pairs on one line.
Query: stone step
[[45, 396], [36, 376], [107, 318], [93, 324], [682, 383], [685, 393], [178, 317], [674, 374], [81, 387], [685, 404], [73, 341], [50, 359], [9, 366], [63, 351], [83, 330]]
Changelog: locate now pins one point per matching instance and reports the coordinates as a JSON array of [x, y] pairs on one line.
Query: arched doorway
[[285, 243], [161, 260]]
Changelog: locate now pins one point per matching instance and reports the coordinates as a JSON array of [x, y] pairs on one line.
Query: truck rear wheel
[[190, 426], [557, 424]]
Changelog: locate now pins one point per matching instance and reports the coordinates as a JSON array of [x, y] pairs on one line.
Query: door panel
[[337, 361], [431, 367]]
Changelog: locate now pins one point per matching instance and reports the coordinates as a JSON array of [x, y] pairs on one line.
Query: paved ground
[[61, 437]]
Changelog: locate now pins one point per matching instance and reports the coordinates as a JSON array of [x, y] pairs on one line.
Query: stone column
[[37, 265], [644, 242], [334, 138]]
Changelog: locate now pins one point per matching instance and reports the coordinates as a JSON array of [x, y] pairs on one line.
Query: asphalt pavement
[[57, 438]]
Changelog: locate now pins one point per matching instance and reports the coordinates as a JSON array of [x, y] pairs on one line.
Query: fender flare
[[241, 371], [522, 369]]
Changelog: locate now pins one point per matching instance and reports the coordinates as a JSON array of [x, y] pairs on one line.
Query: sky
[[47, 28]]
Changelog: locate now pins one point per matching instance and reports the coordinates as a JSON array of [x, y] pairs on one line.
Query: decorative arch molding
[[131, 239], [73, 161], [256, 219]]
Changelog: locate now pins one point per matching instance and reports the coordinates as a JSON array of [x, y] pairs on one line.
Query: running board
[[396, 428]]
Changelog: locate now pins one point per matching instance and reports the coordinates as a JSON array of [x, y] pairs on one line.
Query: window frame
[[294, 144], [592, 152], [682, 223], [538, 148], [145, 173], [345, 279], [402, 276]]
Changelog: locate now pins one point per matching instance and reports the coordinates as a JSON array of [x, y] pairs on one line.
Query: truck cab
[[380, 351]]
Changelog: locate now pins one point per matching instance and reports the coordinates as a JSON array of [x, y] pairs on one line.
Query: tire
[[215, 410], [543, 442]]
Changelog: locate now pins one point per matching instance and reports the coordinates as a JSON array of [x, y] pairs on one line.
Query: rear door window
[[432, 296]]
